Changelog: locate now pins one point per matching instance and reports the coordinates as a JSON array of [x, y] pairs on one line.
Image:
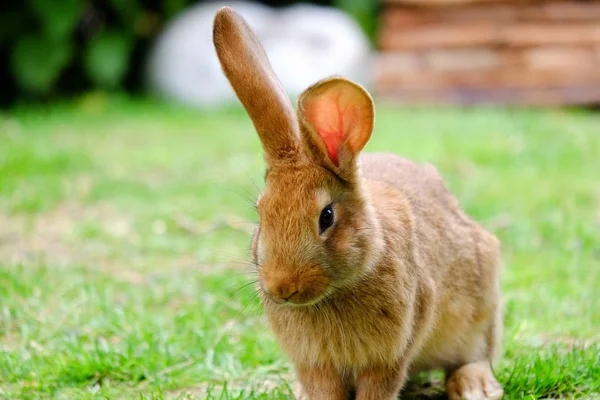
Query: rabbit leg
[[474, 381], [323, 383], [381, 383]]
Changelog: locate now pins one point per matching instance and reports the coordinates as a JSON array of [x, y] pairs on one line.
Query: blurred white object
[[305, 43]]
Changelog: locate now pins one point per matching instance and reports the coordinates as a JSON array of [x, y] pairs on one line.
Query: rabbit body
[[431, 299], [368, 269]]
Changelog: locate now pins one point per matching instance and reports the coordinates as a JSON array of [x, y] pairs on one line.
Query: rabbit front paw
[[474, 381]]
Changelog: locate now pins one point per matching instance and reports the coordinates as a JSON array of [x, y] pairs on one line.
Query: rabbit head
[[317, 229]]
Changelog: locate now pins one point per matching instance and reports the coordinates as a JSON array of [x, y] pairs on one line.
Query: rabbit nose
[[282, 290], [300, 287]]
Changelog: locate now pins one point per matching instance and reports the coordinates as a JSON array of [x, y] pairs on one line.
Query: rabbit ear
[[336, 118], [245, 63]]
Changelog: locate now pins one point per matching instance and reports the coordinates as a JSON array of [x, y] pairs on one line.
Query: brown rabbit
[[368, 269]]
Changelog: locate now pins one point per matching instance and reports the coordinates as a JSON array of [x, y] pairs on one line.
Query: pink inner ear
[[333, 116]]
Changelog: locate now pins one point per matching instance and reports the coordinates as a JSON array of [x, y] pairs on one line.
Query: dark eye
[[326, 218]]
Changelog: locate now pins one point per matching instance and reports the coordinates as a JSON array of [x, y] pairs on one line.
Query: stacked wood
[[488, 51]]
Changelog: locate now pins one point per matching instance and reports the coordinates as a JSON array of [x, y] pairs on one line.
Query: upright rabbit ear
[[336, 119], [245, 63]]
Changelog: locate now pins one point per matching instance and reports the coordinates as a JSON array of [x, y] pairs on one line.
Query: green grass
[[124, 232]]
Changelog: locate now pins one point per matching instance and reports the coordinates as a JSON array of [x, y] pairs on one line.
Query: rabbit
[[368, 270]]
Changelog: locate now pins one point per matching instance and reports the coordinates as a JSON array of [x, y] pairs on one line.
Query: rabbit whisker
[[251, 299], [244, 286]]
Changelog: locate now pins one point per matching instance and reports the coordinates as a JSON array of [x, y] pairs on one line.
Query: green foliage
[[58, 18], [364, 11], [37, 62], [128, 9], [43, 49], [107, 57], [59, 47]]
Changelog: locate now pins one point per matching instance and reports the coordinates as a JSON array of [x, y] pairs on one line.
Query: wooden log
[[448, 3], [442, 59], [550, 96], [560, 57], [534, 34], [486, 34], [480, 58], [555, 11], [407, 17], [487, 79], [438, 60], [462, 59], [398, 62], [448, 35]]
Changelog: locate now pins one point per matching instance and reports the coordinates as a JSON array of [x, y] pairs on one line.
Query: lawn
[[124, 234]]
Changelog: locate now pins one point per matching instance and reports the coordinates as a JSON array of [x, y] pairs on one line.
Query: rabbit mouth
[[294, 302], [294, 294]]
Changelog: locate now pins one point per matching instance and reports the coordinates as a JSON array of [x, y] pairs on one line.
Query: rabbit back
[[444, 247]]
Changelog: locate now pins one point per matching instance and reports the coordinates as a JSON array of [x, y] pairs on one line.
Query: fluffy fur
[[402, 282]]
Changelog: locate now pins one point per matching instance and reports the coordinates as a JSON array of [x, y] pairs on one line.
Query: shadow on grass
[[425, 387]]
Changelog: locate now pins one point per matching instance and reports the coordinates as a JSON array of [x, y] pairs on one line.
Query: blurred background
[[543, 52], [55, 49]]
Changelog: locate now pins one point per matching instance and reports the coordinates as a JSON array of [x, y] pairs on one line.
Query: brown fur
[[403, 281]]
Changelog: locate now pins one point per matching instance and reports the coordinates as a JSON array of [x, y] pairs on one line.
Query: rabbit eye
[[326, 218]]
